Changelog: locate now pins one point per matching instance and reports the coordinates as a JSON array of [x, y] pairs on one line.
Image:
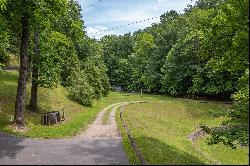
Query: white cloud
[[162, 1], [113, 13], [121, 16], [99, 31]]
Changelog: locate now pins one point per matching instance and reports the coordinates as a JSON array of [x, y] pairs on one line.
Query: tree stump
[[51, 118]]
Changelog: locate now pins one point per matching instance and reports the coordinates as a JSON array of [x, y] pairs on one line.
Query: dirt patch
[[101, 131], [17, 128]]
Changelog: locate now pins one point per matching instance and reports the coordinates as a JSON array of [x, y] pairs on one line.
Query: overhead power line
[[118, 27], [93, 4]]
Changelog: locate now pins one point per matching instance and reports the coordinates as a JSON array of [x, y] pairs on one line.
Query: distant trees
[[116, 51], [202, 52]]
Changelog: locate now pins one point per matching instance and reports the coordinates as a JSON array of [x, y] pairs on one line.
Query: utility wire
[[93, 4], [118, 27]]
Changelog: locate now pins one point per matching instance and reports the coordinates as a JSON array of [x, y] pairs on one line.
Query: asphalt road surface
[[92, 147]]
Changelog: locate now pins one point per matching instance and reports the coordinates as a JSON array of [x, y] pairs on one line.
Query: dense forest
[[202, 52]]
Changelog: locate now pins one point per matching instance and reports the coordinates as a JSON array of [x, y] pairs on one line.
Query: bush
[[106, 85], [236, 130], [241, 98], [80, 90]]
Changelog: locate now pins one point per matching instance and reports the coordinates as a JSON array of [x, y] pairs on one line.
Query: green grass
[[161, 127], [105, 119], [133, 160], [77, 116], [224, 154]]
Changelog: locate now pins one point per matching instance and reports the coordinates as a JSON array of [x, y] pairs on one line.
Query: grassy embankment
[[161, 128], [77, 116]]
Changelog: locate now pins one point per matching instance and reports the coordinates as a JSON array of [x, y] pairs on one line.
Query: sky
[[103, 15]]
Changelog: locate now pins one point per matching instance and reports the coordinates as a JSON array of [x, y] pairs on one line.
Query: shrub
[[241, 98], [80, 90]]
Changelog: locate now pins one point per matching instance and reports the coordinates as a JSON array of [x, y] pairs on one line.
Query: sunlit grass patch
[[77, 116], [161, 128]]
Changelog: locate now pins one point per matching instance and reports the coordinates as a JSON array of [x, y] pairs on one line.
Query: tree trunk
[[21, 88], [34, 88], [29, 69]]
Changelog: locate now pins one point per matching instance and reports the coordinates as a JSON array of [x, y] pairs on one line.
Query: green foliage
[[95, 70], [181, 65], [202, 52], [236, 130], [241, 98], [80, 90], [66, 54], [4, 42], [3, 4], [166, 32], [226, 61], [227, 64], [81, 59], [144, 45], [116, 51], [229, 135], [48, 62]]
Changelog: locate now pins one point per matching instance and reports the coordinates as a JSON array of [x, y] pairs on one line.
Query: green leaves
[[80, 90], [90, 81], [202, 52], [229, 135], [71, 58], [241, 98], [3, 4], [116, 51]]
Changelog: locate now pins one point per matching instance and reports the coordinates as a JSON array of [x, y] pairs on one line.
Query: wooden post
[[63, 116], [141, 92]]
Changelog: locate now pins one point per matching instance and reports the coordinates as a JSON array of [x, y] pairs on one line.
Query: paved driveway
[[85, 149]]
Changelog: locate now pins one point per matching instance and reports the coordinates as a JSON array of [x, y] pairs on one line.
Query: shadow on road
[[9, 146], [106, 151]]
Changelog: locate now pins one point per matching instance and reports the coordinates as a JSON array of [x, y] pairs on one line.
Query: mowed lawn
[[161, 128]]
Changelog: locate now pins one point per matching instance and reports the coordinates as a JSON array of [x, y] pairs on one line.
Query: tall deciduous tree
[[23, 71], [41, 10]]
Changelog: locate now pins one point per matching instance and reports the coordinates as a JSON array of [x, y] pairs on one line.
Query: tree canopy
[[202, 52]]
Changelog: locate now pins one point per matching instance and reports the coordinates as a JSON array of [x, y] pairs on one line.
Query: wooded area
[[202, 52], [54, 48]]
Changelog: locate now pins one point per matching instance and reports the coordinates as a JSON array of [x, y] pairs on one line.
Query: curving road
[[98, 145]]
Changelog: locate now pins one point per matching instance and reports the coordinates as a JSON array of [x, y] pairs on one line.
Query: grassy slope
[[77, 116], [161, 128]]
